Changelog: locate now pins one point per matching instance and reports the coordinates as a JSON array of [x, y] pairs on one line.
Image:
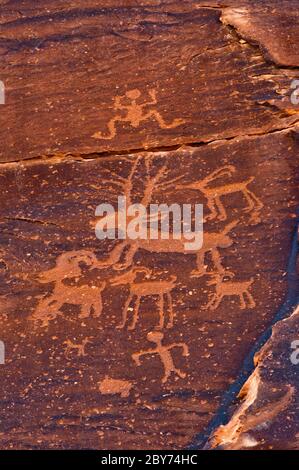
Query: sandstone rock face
[[141, 343], [268, 416]]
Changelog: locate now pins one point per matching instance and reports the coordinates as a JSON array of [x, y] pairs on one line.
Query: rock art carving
[[135, 113], [86, 296], [125, 187], [69, 289], [110, 386], [215, 193], [138, 289], [228, 289], [212, 241], [165, 354], [155, 243], [80, 348]]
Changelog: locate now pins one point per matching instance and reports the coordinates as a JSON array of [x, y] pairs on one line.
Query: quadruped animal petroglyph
[[140, 289], [230, 288], [88, 297], [164, 353], [135, 113], [80, 348], [156, 242], [212, 243], [214, 193]]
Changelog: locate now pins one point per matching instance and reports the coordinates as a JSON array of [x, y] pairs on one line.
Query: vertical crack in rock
[[223, 431], [235, 434]]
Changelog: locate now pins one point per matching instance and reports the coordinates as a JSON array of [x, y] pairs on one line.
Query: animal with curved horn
[[88, 297]]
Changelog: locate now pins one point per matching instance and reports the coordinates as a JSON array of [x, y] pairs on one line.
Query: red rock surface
[[134, 344]]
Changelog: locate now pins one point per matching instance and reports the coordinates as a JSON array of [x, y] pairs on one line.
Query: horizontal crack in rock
[[82, 157]]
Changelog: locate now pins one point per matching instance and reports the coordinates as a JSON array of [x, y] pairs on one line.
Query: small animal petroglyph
[[80, 348], [165, 354], [86, 296], [160, 288], [110, 386], [228, 289], [214, 194], [135, 113]]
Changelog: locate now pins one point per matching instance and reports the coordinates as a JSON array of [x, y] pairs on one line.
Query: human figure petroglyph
[[89, 298], [165, 354], [230, 288], [80, 348], [135, 113], [139, 289], [215, 193]]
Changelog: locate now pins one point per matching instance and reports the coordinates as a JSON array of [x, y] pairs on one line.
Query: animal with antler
[[230, 288], [154, 242], [140, 289], [215, 193], [87, 297]]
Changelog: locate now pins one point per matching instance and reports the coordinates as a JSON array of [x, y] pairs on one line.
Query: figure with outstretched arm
[[165, 354]]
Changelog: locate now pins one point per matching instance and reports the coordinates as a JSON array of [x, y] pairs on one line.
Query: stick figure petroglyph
[[87, 297], [70, 346], [228, 289], [160, 288], [164, 353], [135, 113], [214, 194]]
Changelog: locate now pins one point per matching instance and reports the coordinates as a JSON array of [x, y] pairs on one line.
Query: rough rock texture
[[268, 416], [133, 344], [66, 67]]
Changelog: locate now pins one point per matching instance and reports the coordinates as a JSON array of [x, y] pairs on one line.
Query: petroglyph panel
[[104, 335]]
